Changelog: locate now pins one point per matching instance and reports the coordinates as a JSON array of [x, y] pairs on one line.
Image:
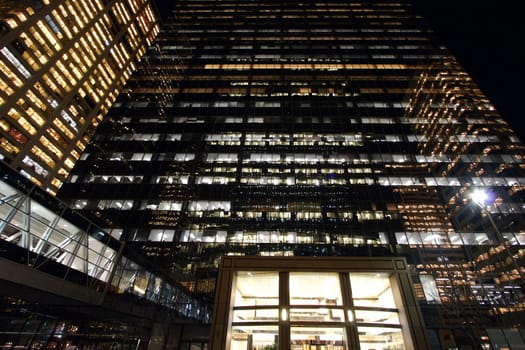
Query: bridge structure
[[66, 282]]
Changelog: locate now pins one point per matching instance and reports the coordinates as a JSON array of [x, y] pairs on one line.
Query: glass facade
[[331, 305], [60, 242], [62, 65], [326, 128], [87, 276], [371, 306]]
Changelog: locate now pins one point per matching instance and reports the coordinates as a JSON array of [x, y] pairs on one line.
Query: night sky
[[487, 39]]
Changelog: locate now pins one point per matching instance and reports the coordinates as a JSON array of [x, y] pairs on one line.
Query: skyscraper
[[326, 128], [62, 65]]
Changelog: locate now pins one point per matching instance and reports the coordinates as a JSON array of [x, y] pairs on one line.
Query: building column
[[157, 337]]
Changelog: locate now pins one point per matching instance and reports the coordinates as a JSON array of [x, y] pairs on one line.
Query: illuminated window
[[161, 235], [307, 305], [119, 204], [16, 62]]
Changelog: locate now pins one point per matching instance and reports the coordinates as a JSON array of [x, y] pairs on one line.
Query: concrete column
[[158, 336]]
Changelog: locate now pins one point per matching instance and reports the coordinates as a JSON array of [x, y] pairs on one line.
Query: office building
[[62, 65], [326, 128]]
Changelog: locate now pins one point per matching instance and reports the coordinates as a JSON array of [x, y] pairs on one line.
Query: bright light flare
[[284, 314], [479, 197]]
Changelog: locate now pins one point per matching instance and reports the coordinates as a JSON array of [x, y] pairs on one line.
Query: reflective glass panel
[[256, 315], [317, 338], [310, 288], [254, 338], [372, 289], [384, 317], [380, 338], [317, 314], [256, 288]]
